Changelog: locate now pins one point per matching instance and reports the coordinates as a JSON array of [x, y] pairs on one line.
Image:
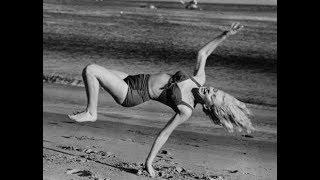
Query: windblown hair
[[230, 113]]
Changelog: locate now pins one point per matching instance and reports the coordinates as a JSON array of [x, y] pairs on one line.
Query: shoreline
[[219, 2], [65, 99], [59, 79]]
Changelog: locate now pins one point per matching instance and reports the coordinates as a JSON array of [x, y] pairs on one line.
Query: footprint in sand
[[197, 140], [127, 140], [232, 171], [54, 124], [69, 148], [194, 145], [138, 132], [85, 173], [82, 138], [179, 172], [247, 136], [68, 122]]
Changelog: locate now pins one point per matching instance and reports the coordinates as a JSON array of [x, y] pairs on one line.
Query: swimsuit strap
[[196, 82], [184, 103]]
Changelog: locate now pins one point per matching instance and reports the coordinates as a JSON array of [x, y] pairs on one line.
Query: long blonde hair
[[229, 113]]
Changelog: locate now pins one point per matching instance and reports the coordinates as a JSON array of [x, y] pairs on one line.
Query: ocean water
[[143, 40]]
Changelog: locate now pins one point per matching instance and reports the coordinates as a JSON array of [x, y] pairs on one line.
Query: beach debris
[[168, 172], [54, 124], [70, 148], [215, 177], [107, 154], [72, 171], [232, 171], [102, 153], [88, 138], [85, 173], [138, 132], [50, 78], [164, 152], [82, 173], [151, 6], [78, 149], [139, 172], [194, 145], [247, 136], [179, 169], [89, 151], [83, 138], [101, 179], [98, 177], [67, 137]]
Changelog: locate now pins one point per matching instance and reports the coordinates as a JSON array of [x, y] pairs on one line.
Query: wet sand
[[116, 144]]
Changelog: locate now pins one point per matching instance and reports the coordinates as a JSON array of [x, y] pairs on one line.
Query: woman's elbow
[[201, 55]]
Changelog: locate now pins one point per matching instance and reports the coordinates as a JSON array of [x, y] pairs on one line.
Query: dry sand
[[116, 144]]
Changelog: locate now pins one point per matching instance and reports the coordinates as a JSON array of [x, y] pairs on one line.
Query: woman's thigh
[[112, 81], [120, 74]]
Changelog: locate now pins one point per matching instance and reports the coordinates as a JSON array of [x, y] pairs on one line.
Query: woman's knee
[[90, 69]]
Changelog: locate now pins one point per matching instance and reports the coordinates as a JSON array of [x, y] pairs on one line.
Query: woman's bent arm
[[164, 135]]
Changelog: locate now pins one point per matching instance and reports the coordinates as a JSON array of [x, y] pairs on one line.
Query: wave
[[59, 79], [159, 52]]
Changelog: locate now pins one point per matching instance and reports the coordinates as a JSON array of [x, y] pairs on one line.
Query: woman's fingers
[[239, 27], [232, 25], [235, 27]]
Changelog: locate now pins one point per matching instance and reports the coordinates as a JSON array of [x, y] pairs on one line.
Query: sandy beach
[[129, 36], [116, 145]]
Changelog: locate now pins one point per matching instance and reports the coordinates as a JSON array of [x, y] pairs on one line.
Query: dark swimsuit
[[138, 91], [171, 94]]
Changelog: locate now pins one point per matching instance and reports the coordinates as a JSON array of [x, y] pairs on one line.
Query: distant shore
[[245, 2]]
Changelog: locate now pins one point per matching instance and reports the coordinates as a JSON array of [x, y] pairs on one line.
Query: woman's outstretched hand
[[235, 27]]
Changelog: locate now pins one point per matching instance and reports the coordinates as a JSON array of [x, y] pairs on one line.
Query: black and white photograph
[[159, 89]]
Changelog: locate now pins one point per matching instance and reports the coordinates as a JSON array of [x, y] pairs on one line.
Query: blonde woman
[[180, 91], [193, 4]]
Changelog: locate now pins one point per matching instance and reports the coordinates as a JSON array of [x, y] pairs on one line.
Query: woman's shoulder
[[199, 79]]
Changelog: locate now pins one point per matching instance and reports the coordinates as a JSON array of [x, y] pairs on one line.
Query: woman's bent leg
[[111, 80]]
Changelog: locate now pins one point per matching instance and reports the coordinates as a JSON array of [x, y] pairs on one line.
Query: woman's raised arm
[[205, 51]]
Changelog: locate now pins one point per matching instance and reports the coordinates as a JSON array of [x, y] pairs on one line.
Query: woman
[[193, 4], [179, 91]]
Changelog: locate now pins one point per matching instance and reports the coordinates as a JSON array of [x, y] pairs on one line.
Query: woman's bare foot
[[150, 170], [83, 117]]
